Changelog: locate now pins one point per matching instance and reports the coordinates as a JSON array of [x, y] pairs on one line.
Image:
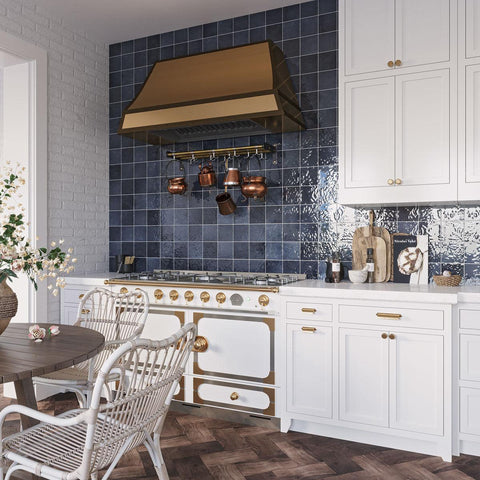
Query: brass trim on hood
[[231, 92]]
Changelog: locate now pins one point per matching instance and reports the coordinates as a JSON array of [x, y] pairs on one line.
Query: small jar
[[336, 268]]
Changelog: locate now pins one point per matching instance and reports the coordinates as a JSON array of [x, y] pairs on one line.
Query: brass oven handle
[[309, 310], [389, 315], [309, 329], [200, 344], [234, 396]]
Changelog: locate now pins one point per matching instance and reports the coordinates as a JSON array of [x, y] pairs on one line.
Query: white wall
[[77, 133]]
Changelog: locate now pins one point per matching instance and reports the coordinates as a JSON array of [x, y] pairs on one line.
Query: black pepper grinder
[[370, 266]]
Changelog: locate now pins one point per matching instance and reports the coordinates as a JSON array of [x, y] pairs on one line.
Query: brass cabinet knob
[[390, 63], [398, 63], [173, 295], [390, 181], [158, 294], [263, 300], [204, 297], [384, 335], [391, 336], [81, 296], [85, 311], [221, 297], [234, 396], [124, 290], [398, 181], [188, 295], [200, 344]]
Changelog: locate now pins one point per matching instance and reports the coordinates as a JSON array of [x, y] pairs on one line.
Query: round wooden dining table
[[21, 359]]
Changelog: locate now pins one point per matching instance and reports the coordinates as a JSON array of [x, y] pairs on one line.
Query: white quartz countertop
[[88, 278], [382, 291]]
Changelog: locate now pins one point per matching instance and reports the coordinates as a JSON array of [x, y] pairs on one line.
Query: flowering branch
[[17, 254]]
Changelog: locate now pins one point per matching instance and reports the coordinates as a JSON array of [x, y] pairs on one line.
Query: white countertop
[[88, 278], [381, 291]]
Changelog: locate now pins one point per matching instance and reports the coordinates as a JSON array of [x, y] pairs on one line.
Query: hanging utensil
[[176, 185]]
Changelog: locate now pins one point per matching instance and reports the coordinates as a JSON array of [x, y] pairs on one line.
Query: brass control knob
[[124, 290], [221, 297], [204, 297], [158, 294], [200, 344], [85, 311], [390, 181], [384, 335], [173, 295], [391, 336], [234, 396], [263, 300], [398, 181], [188, 295], [390, 63], [398, 63]]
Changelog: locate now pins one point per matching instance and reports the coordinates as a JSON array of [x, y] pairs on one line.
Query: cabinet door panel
[[416, 383], [369, 133], [423, 128], [472, 125], [472, 28], [422, 31], [363, 377], [369, 39], [470, 411], [309, 371], [470, 357]]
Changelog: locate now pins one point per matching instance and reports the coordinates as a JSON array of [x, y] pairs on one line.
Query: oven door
[[237, 347]]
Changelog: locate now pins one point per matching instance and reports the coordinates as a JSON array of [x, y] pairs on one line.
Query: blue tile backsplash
[[299, 224]]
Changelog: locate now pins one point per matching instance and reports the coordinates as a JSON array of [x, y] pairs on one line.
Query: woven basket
[[451, 281], [8, 305]]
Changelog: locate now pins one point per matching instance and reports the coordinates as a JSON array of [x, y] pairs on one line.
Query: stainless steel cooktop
[[214, 278]]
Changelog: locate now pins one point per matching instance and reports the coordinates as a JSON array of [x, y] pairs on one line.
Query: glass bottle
[[336, 268], [370, 266]]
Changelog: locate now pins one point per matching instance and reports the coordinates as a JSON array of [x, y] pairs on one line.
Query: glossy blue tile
[[240, 23], [257, 20]]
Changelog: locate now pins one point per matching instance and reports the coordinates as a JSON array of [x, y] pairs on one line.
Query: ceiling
[[113, 21]]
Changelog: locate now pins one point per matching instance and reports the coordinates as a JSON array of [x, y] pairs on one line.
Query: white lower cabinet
[[378, 373], [309, 370]]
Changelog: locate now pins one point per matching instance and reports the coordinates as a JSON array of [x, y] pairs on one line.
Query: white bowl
[[357, 276]]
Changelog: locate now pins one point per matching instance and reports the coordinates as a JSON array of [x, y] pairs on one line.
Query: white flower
[[37, 333], [54, 330]]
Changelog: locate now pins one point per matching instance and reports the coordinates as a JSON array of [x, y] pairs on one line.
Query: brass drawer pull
[[81, 296], [398, 63], [391, 336], [309, 310], [85, 311], [234, 396], [309, 329], [200, 344], [389, 315], [384, 335]]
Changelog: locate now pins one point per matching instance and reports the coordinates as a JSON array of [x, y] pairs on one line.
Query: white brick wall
[[77, 133]]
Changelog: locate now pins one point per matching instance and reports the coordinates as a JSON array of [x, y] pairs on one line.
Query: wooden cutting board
[[379, 239]]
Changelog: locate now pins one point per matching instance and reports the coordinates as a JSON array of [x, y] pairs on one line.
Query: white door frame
[[37, 162]]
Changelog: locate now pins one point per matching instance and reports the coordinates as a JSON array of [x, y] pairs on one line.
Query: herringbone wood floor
[[197, 448]]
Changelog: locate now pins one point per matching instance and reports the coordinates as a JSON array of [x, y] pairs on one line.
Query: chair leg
[[153, 448]]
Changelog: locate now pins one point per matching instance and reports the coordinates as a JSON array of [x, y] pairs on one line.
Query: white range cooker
[[233, 362]]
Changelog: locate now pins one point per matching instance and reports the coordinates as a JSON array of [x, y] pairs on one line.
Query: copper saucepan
[[207, 176], [177, 185], [254, 187]]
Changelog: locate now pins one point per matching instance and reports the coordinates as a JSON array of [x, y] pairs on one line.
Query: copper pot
[[207, 176], [232, 177], [177, 185], [254, 187], [226, 205]]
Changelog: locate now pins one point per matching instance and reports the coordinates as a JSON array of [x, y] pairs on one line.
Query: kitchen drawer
[[72, 295], [230, 395], [308, 310], [469, 318], [470, 411], [470, 357], [400, 316]]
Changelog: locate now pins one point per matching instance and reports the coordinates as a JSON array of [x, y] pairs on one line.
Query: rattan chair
[[118, 317], [80, 443]]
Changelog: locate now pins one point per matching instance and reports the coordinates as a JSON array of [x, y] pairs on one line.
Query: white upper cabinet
[[369, 39], [422, 32], [472, 28], [391, 34]]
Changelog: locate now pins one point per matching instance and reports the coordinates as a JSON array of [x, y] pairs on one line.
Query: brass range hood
[[227, 93]]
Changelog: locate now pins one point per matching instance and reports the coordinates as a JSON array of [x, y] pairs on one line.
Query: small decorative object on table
[[18, 253], [37, 333], [447, 279]]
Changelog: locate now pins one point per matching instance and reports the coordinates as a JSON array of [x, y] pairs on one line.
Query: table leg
[[26, 396]]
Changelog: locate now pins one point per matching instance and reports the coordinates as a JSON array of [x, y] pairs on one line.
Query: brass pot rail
[[222, 152]]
